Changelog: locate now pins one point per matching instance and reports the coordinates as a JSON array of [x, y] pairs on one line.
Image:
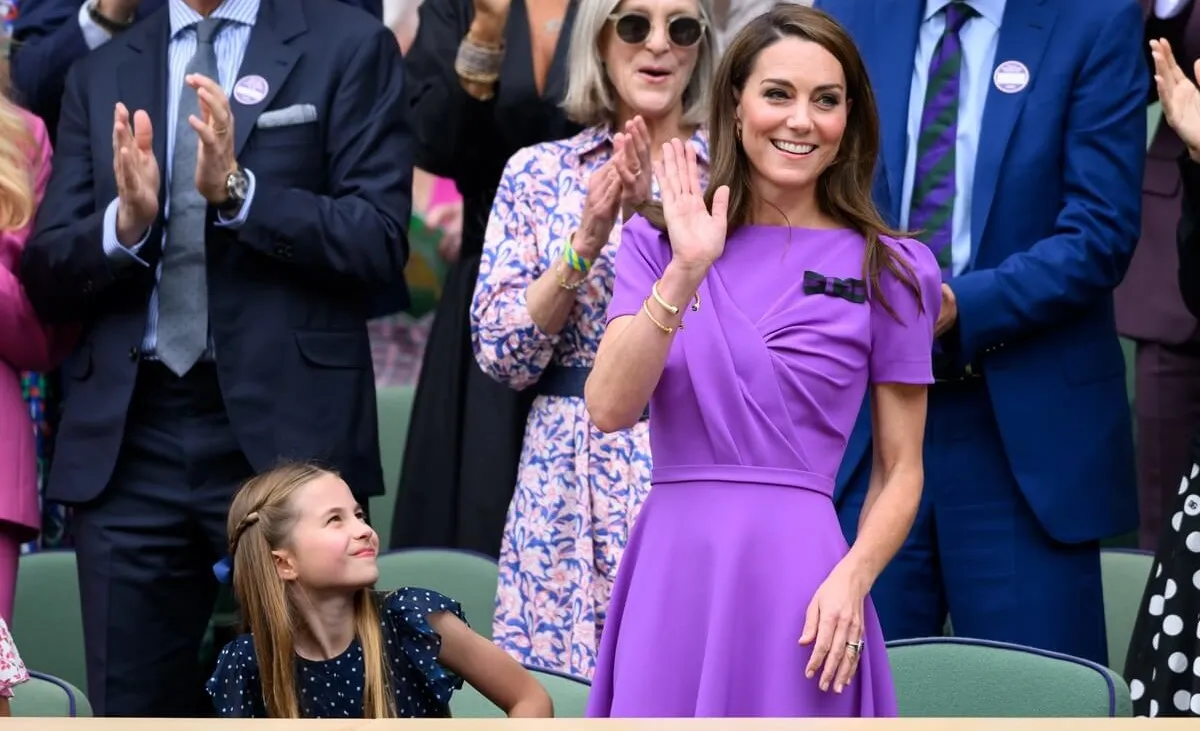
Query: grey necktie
[[183, 286]]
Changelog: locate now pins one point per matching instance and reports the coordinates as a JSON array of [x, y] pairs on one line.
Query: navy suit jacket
[[1055, 213], [288, 292], [47, 40]]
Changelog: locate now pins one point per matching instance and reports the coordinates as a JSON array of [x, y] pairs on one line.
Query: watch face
[[237, 185]]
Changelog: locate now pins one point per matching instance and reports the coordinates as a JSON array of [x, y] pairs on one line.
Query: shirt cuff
[[240, 219], [93, 35], [1167, 9], [116, 253]]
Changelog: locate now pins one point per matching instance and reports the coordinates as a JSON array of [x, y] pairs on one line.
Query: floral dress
[[578, 490], [12, 670], [333, 688]]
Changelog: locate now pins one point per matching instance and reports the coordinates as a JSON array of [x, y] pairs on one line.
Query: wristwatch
[[110, 25], [237, 185]]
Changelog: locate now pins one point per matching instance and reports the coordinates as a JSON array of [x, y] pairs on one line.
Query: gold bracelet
[[673, 309], [562, 278], [659, 325]]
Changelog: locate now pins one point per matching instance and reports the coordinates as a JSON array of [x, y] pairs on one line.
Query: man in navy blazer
[[271, 212], [50, 35], [1029, 450]]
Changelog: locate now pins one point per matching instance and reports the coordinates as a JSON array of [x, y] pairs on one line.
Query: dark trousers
[[977, 551], [146, 546], [1167, 408]]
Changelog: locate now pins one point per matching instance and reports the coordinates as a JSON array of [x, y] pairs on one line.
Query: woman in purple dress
[[737, 594]]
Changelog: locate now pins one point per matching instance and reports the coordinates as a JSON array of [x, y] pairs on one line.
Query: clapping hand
[[697, 235], [215, 157], [600, 210], [1179, 96], [136, 172], [631, 154]]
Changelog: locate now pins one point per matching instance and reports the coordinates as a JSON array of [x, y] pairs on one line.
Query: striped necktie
[[931, 214]]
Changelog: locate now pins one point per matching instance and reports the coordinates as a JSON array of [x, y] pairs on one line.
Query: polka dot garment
[[334, 688], [1163, 668]]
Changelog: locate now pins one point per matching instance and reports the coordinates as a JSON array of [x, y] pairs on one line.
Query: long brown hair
[[844, 188], [18, 161], [261, 519]]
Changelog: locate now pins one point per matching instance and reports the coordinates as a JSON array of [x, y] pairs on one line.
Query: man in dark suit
[[50, 35], [230, 188], [1150, 309], [1013, 136]]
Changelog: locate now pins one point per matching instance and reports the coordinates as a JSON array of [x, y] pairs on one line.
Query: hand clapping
[[215, 157], [1179, 96], [631, 154], [697, 235], [136, 172]]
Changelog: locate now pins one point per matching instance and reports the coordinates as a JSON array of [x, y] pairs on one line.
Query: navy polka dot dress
[[334, 688]]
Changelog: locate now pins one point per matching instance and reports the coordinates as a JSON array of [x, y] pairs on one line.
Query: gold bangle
[[673, 309], [659, 325]]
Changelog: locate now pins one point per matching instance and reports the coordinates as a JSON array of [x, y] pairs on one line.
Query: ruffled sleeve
[[406, 625], [234, 686], [12, 670]]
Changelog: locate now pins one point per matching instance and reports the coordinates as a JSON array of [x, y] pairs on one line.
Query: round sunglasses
[[634, 28]]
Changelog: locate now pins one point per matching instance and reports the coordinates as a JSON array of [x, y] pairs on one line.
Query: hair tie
[[250, 519]]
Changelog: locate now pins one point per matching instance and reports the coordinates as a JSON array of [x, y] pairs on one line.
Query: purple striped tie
[[931, 215]]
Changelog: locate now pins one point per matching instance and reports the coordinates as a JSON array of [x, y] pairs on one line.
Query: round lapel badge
[[1011, 77], [250, 90]]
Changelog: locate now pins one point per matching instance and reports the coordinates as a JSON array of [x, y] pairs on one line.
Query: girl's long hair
[[844, 188], [261, 519], [18, 165]]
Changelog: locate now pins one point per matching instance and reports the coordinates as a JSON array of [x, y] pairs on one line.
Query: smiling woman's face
[[792, 112], [649, 51]]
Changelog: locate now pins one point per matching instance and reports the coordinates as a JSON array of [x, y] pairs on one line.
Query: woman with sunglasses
[[640, 72]]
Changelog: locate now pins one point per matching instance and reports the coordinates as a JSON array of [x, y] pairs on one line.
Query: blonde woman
[[25, 344], [640, 73]]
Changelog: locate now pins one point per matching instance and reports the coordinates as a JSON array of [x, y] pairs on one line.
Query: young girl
[[322, 643], [12, 670]]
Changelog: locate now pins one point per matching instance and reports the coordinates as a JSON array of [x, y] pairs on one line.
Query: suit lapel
[[1024, 35], [899, 21], [142, 81], [267, 56]]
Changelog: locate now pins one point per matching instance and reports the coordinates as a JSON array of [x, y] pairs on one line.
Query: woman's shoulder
[[239, 654], [919, 258], [413, 604]]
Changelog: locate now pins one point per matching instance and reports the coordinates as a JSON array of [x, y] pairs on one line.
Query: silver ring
[[856, 646]]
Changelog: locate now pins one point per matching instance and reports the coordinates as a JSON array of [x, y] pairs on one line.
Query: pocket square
[[288, 116], [851, 290]]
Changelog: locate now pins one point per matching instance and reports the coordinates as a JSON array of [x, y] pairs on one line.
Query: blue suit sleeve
[[1097, 229]]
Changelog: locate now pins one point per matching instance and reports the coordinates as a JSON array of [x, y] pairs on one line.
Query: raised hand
[[215, 158], [697, 235], [136, 172], [600, 210], [1179, 96], [632, 158]]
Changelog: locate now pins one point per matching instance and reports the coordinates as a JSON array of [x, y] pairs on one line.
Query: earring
[[738, 131]]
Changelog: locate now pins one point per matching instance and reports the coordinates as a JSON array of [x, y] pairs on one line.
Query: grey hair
[[590, 98]]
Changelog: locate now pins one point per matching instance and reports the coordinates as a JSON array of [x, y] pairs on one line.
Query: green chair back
[[568, 693], [943, 677], [394, 404], [1124, 574], [470, 578], [47, 621], [47, 696]]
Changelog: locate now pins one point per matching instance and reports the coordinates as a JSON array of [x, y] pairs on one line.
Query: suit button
[[279, 251], [134, 353], [87, 286]]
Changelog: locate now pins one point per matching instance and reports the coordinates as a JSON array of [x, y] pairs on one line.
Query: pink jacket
[[25, 345]]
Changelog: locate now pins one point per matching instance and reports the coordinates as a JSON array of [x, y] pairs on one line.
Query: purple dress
[[747, 428]]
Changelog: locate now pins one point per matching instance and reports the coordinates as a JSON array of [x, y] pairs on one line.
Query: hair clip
[[223, 570]]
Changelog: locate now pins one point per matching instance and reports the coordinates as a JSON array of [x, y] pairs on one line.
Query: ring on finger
[[856, 647], [221, 131]]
